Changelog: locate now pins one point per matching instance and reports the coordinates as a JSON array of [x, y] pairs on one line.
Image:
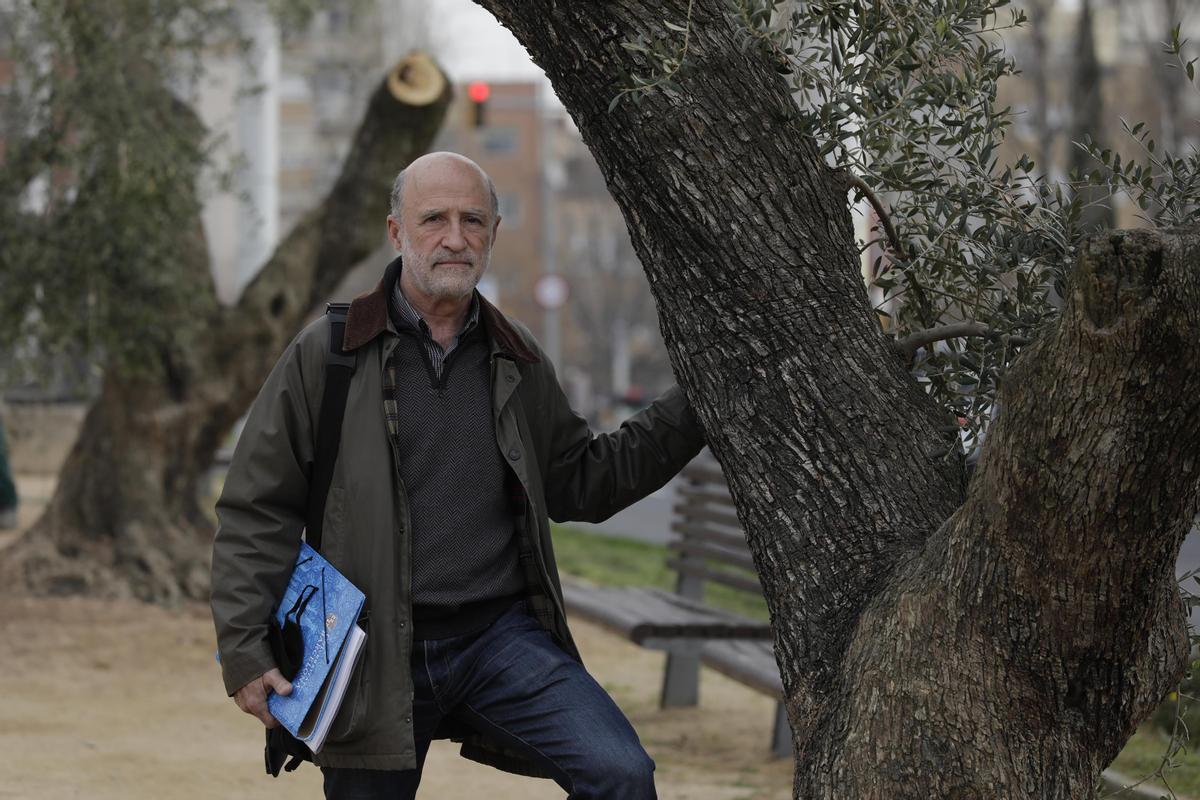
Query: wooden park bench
[[708, 546]]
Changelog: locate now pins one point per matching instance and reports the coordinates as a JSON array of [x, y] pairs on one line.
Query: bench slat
[[751, 663], [687, 532], [703, 549], [702, 571], [704, 471], [641, 613], [722, 520], [705, 494]]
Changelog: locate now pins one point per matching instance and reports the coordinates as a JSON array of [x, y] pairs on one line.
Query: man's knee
[[626, 773]]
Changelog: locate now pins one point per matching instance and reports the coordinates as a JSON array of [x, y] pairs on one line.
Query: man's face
[[445, 231]]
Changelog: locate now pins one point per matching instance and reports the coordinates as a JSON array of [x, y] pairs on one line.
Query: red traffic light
[[478, 91]]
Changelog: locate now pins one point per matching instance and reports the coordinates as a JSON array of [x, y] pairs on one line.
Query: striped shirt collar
[[410, 315]]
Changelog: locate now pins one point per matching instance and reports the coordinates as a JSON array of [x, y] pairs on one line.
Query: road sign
[[551, 292]]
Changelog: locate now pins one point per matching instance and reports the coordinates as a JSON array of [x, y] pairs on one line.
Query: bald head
[[434, 164], [443, 223]]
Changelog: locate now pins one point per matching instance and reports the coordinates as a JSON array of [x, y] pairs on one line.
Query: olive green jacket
[[567, 473]]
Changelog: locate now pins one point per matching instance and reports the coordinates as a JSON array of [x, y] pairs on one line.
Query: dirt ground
[[107, 699]]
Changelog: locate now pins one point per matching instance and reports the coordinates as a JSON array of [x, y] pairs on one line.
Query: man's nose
[[454, 239]]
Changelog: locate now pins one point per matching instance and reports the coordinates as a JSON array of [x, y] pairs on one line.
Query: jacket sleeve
[[260, 518], [589, 477]]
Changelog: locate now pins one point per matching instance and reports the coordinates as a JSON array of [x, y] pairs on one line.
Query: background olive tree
[[103, 259]]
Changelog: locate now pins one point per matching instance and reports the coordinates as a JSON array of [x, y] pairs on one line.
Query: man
[[457, 445], [8, 489]]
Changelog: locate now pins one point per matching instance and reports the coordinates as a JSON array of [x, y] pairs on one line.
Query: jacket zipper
[[402, 498]]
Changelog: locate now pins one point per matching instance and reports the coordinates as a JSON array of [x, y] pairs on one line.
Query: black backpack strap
[[339, 368], [283, 751]]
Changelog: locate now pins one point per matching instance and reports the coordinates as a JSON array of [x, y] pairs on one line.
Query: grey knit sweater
[[464, 554]]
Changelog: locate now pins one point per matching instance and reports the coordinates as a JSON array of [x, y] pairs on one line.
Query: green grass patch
[[615, 561], [1143, 754]]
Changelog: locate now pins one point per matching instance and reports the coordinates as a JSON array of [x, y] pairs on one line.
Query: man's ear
[[394, 233], [495, 227]]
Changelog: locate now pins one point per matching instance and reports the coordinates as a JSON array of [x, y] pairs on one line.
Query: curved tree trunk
[[1016, 654], [994, 653], [125, 517]]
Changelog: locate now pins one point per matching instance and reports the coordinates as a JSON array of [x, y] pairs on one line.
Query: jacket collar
[[368, 317]]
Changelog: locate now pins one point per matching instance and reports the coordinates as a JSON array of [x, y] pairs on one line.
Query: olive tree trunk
[[932, 642], [125, 518]]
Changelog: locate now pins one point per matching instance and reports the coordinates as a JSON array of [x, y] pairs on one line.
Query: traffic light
[[478, 91]]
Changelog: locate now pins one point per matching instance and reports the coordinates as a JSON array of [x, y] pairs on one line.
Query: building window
[[510, 209], [498, 141]]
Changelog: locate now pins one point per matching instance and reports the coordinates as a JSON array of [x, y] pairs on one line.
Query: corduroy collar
[[368, 317]]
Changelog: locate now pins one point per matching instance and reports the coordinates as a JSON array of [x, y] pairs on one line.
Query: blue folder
[[333, 642]]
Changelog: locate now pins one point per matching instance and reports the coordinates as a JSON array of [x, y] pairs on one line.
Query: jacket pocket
[[348, 724]]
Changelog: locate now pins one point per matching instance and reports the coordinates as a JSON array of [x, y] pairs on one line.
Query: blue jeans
[[513, 684]]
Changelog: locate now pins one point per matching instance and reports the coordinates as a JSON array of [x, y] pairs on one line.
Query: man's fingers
[[252, 698], [267, 720], [275, 681]]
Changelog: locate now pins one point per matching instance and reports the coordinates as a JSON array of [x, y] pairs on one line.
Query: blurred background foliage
[[970, 237], [102, 253]]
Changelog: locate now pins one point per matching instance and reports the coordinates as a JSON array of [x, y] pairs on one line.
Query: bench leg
[[781, 737], [681, 679]]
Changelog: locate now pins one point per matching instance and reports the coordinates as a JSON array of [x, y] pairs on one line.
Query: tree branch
[[877, 204], [908, 346]]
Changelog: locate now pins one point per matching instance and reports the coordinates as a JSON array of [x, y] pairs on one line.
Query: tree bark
[[990, 652], [125, 518], [1016, 654]]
